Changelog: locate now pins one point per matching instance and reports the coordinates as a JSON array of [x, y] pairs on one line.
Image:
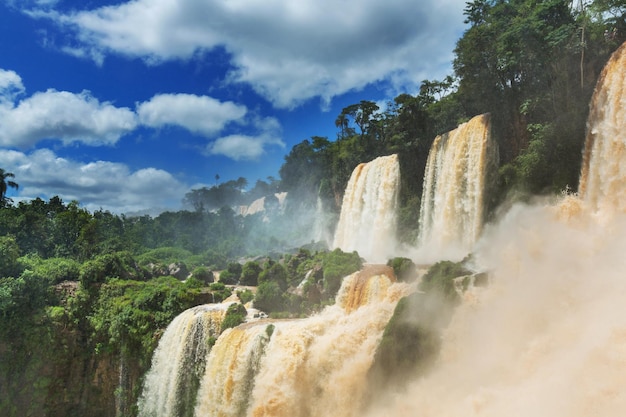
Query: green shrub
[[337, 265], [245, 296], [9, 255], [115, 265], [164, 255], [232, 273], [269, 297], [275, 273], [440, 278], [128, 314], [54, 270], [404, 268], [235, 315], [203, 274], [220, 291], [250, 273]]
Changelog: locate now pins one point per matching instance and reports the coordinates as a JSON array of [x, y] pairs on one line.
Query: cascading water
[[178, 362], [367, 223], [306, 367], [451, 213], [547, 337], [603, 177]]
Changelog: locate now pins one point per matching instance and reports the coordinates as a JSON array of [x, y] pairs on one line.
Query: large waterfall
[[451, 213], [367, 223], [547, 337]]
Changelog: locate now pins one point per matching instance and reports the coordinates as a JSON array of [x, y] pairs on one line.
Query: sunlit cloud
[[62, 115], [199, 114], [70, 117], [97, 185], [249, 147]]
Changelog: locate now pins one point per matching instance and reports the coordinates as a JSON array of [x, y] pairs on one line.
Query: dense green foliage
[[441, 278], [403, 268], [235, 315], [336, 265]]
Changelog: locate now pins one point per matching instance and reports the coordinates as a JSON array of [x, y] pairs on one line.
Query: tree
[[276, 273], [250, 273], [9, 254], [269, 297], [5, 184]]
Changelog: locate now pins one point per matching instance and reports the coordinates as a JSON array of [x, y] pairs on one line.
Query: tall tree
[[5, 183]]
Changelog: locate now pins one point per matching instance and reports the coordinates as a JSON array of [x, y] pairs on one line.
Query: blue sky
[[126, 106]]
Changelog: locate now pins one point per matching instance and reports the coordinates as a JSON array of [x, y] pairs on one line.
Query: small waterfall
[[603, 175], [305, 367], [360, 288], [367, 223], [178, 362], [451, 214], [231, 367]]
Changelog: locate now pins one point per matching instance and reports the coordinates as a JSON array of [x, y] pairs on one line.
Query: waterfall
[[230, 371], [603, 176], [178, 362], [302, 367], [451, 213], [367, 223], [547, 337]]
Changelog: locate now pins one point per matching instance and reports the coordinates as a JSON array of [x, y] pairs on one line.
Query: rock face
[[178, 270], [53, 372], [261, 205]]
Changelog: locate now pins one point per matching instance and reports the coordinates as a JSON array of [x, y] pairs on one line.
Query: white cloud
[[287, 51], [101, 184], [10, 85], [81, 117], [249, 147], [62, 115], [199, 114]]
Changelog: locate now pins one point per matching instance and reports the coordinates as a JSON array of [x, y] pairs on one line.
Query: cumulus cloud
[[249, 147], [287, 51], [100, 184], [199, 114], [61, 115], [71, 117], [10, 85]]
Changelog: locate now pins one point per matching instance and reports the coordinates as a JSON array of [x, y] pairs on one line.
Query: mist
[[547, 336]]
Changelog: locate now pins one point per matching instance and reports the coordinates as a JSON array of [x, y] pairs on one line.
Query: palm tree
[[5, 184]]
